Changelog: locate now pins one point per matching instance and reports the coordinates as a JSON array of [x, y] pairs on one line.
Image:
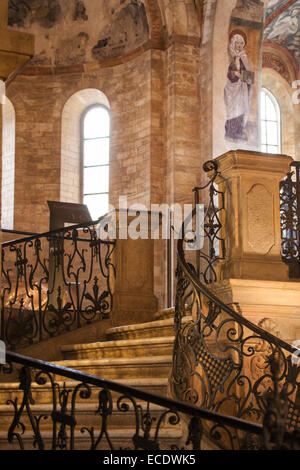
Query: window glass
[[270, 126], [96, 129]]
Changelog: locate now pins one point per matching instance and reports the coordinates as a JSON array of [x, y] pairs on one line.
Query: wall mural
[[65, 35], [241, 86], [273, 5], [285, 29], [238, 89]]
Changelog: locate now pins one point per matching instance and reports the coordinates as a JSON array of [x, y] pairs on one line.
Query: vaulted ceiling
[[78, 31], [75, 32], [282, 31]]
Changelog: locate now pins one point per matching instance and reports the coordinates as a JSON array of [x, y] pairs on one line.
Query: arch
[[71, 152], [280, 89], [8, 164], [279, 59]]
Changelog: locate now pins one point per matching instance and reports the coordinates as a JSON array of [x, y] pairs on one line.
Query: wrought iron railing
[[213, 249], [221, 361], [55, 282], [84, 411], [289, 218]]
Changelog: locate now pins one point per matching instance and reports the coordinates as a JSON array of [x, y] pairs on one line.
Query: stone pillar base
[[254, 268], [134, 299], [251, 220], [273, 305], [130, 309]]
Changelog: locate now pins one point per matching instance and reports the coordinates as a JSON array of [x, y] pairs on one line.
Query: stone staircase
[[138, 355]]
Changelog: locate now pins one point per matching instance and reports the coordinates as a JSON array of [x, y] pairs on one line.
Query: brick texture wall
[[155, 136]]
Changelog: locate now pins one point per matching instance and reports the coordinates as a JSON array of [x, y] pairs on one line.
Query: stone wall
[[155, 136], [120, 28], [289, 111], [39, 102], [8, 165], [166, 98], [154, 100]]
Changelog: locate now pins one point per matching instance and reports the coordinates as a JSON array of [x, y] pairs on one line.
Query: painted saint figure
[[238, 90]]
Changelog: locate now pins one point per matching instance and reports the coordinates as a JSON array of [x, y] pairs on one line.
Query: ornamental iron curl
[[55, 282], [221, 361], [289, 190], [83, 411], [214, 244]]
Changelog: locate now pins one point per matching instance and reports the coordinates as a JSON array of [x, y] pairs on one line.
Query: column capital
[[250, 162]]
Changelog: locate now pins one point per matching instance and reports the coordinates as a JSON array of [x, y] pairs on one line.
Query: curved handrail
[[221, 360], [55, 281], [235, 315], [147, 420], [212, 166], [170, 403], [54, 232]]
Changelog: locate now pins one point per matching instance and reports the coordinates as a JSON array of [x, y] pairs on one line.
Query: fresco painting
[[122, 27], [238, 90], [273, 5], [241, 83], [284, 30]]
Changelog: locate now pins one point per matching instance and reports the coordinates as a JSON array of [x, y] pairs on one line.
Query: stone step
[[120, 439], [122, 368], [158, 328], [85, 415], [165, 313], [129, 348], [42, 394]]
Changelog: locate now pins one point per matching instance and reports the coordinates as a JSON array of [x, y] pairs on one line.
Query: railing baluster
[[290, 219], [50, 287], [150, 417], [221, 361]]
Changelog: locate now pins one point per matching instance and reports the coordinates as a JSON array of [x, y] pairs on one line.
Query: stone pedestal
[[134, 299], [273, 305], [251, 224]]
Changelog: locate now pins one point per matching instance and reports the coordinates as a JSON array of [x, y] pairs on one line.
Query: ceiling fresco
[[273, 5], [283, 26], [78, 31]]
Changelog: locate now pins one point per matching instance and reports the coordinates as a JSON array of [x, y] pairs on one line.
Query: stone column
[[134, 299], [251, 226]]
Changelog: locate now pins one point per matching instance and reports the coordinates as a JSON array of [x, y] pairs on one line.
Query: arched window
[[8, 164], [95, 152], [270, 125]]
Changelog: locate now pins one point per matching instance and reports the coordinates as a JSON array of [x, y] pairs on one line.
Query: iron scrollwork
[[82, 411], [55, 282], [289, 219], [214, 244], [221, 360]]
